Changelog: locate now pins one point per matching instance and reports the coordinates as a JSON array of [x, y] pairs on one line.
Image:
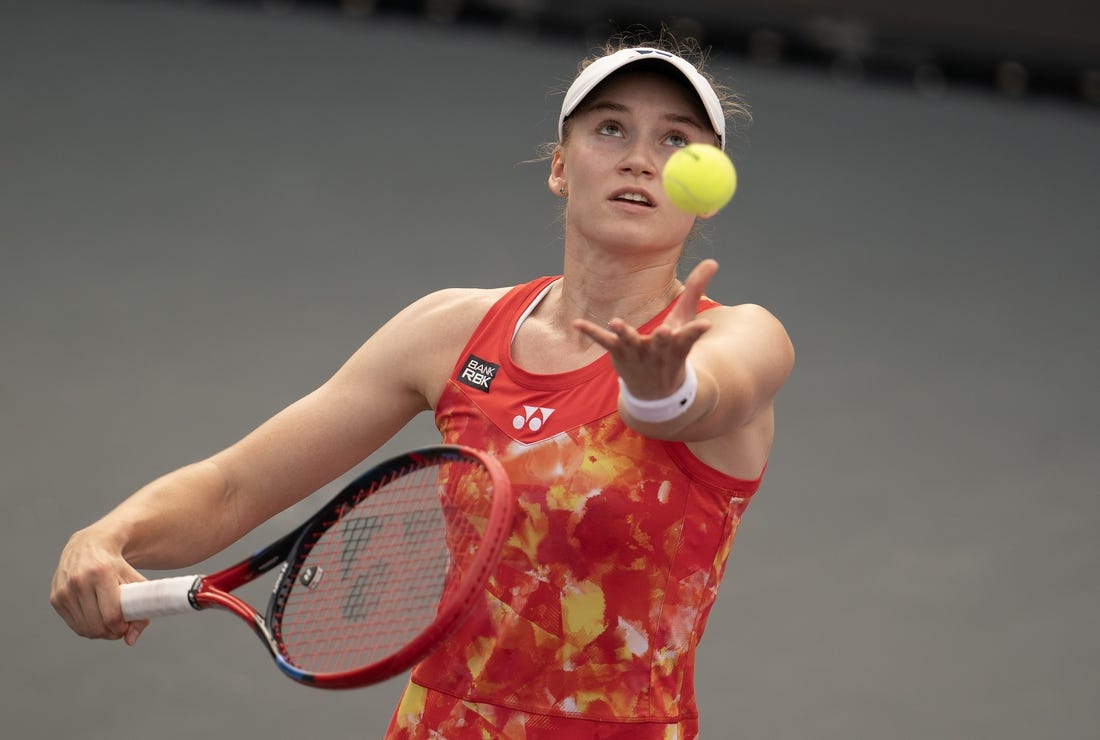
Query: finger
[[701, 275], [67, 598], [606, 339], [64, 612], [694, 288], [89, 620], [134, 632], [690, 333], [133, 629], [108, 603], [628, 336], [663, 342], [60, 602]]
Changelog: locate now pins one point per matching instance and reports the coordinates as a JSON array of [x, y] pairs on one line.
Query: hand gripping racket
[[375, 580]]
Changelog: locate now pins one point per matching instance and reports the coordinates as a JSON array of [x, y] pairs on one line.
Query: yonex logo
[[533, 417], [310, 577]]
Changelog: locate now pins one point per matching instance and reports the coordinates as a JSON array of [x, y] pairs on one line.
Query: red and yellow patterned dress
[[589, 624]]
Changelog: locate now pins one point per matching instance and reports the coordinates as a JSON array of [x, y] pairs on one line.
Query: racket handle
[[158, 598]]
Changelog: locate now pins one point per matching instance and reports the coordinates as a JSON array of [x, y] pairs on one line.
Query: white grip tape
[[159, 598]]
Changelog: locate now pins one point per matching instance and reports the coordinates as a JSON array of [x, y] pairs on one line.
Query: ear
[[557, 181]]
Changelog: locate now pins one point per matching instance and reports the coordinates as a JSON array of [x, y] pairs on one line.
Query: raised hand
[[652, 366]]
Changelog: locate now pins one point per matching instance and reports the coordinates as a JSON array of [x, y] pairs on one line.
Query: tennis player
[[634, 414]]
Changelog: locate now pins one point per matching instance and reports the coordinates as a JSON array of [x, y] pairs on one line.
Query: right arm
[[198, 510]]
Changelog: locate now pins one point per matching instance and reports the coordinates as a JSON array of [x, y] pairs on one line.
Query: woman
[[634, 415]]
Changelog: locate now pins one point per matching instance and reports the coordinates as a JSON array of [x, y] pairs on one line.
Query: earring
[[561, 190]]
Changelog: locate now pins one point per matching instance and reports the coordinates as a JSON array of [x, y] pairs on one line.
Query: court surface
[[203, 212]]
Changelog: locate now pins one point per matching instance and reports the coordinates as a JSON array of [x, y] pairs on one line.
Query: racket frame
[[213, 591]]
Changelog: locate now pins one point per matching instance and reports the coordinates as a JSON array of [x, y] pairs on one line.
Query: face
[[610, 163]]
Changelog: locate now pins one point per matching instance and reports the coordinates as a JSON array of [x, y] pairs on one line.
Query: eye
[[610, 128], [677, 140]]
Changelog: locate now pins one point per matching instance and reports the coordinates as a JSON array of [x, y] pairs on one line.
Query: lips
[[639, 197]]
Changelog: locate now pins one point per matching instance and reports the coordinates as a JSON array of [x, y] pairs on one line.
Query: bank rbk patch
[[477, 373]]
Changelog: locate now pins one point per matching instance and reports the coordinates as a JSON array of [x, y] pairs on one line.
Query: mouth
[[637, 197]]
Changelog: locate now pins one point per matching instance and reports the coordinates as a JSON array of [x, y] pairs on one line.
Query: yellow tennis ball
[[699, 179]]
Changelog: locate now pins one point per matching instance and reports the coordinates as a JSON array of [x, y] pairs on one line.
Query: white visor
[[599, 70]]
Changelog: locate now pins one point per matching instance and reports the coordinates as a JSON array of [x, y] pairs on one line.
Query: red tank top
[[619, 544]]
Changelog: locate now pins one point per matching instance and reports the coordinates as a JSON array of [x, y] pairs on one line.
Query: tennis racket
[[375, 580]]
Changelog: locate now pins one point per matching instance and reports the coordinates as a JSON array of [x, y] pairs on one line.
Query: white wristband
[[661, 409]]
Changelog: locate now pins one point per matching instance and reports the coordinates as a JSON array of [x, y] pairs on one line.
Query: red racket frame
[[213, 591]]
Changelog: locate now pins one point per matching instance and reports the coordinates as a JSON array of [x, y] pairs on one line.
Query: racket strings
[[377, 574]]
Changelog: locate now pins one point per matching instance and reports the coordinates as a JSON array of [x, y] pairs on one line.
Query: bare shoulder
[[449, 313], [749, 322], [745, 313], [426, 337], [461, 300]]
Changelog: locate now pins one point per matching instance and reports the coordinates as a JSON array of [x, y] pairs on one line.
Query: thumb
[[695, 287], [134, 632]]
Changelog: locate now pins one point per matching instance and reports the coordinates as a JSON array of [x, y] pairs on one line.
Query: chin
[[633, 235], [642, 237]]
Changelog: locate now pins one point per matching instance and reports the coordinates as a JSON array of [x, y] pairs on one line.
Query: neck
[[630, 281], [633, 293]]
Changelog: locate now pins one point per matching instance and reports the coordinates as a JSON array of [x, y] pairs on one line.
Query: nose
[[639, 159]]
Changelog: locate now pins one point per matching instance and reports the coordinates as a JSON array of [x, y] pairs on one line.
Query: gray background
[[204, 211]]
